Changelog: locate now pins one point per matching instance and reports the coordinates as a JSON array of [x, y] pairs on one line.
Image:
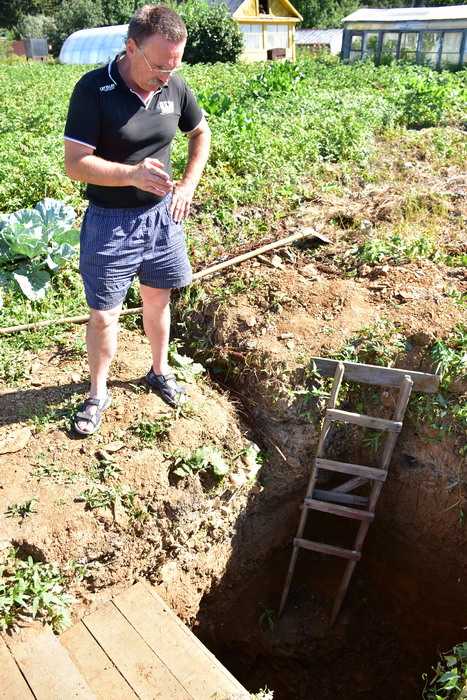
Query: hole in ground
[[405, 603], [398, 616]]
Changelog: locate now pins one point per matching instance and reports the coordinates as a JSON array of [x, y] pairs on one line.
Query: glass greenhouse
[[433, 36], [91, 46]]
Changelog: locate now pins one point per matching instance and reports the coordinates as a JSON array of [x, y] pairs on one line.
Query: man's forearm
[[98, 171], [198, 153]]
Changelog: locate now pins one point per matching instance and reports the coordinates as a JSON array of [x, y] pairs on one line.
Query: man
[[121, 122]]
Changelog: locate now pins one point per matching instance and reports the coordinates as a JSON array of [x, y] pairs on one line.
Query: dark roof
[[232, 5]]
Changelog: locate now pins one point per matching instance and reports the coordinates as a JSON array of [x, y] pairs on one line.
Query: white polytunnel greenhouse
[[92, 46]]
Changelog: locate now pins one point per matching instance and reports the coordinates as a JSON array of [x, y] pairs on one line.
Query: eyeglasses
[[157, 69]]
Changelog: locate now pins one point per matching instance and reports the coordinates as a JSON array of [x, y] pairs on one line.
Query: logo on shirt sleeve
[[107, 88], [166, 107]]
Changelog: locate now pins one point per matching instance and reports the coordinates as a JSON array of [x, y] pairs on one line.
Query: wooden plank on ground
[[327, 549], [143, 670], [380, 376], [102, 676], [392, 426], [47, 667], [12, 684], [195, 667]]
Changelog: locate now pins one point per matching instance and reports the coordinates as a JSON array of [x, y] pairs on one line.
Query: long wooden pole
[[213, 269]]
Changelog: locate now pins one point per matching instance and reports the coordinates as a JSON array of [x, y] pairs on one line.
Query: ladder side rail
[[331, 403], [399, 413]]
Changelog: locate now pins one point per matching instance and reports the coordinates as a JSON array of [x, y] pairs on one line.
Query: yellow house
[[265, 24]]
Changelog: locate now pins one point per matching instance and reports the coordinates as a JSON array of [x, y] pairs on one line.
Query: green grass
[[383, 344], [378, 344]]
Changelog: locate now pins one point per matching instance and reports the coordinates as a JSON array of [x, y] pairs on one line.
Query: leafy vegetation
[[32, 589], [379, 344], [255, 174], [150, 431], [111, 496], [450, 678], [450, 356], [184, 368], [34, 243], [201, 460], [21, 510]]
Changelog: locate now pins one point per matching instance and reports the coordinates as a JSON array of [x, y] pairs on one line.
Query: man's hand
[[181, 200], [150, 176]]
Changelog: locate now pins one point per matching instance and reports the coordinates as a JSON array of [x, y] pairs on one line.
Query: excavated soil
[[218, 551]]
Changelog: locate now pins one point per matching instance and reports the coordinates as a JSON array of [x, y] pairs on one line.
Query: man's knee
[[102, 320], [155, 298]]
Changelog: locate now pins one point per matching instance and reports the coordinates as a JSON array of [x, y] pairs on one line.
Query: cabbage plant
[[34, 243]]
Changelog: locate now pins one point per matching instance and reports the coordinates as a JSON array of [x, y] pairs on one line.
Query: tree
[[35, 26], [212, 34], [118, 11], [11, 11], [73, 15]]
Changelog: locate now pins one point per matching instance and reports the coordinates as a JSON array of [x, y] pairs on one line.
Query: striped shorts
[[118, 244]]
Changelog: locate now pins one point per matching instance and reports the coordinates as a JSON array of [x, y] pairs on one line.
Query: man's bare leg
[[101, 341], [156, 321]]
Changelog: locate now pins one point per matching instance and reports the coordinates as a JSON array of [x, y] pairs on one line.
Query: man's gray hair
[[156, 19]]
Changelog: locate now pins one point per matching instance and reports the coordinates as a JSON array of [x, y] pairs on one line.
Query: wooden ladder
[[339, 500]]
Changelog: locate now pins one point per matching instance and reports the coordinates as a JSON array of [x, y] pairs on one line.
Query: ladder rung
[[354, 469], [392, 426], [351, 485], [334, 509], [328, 549], [336, 497]]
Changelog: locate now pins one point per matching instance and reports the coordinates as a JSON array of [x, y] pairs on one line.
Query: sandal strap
[[164, 377], [93, 419], [91, 402]]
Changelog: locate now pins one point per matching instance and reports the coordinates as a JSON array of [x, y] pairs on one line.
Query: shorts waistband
[[132, 211]]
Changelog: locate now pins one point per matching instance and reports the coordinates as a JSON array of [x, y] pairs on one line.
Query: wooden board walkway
[[132, 647]]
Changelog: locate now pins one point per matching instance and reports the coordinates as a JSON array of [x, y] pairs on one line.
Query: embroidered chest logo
[[166, 107], [107, 88]]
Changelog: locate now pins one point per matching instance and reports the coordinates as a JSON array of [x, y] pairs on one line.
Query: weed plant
[[151, 431], [30, 589], [204, 459], [22, 510], [450, 677]]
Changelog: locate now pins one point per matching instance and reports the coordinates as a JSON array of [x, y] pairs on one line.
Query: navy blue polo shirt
[[113, 120]]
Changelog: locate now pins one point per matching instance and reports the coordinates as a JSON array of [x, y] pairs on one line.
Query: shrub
[[427, 99], [118, 11], [74, 15], [36, 26], [212, 34]]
